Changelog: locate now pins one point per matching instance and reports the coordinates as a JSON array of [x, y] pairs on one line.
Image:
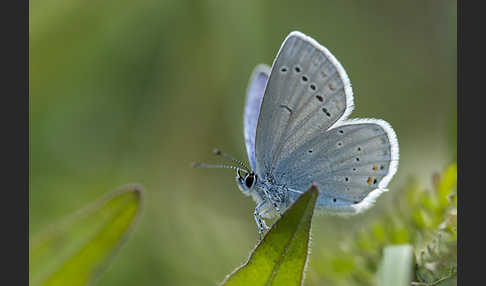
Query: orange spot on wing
[[370, 180]]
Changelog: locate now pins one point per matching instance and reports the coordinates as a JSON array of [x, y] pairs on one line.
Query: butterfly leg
[[276, 200], [261, 225], [264, 224], [275, 205]]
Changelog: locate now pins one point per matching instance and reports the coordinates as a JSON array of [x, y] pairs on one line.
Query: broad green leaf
[[75, 250], [280, 258], [396, 266]]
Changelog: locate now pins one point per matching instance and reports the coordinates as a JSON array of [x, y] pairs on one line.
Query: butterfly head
[[246, 181]]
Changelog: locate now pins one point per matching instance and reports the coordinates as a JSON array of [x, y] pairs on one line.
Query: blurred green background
[[134, 91]]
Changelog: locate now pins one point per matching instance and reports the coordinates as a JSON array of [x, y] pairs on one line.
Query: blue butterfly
[[297, 134]]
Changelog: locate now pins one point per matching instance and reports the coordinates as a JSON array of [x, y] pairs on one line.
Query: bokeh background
[[134, 91]]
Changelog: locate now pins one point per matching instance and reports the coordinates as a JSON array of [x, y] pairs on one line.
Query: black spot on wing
[[286, 107]]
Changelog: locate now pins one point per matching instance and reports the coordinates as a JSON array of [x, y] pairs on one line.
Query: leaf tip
[[136, 189], [133, 190]]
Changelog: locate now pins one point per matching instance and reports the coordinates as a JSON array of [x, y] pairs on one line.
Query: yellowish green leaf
[[447, 181], [75, 250], [280, 258]]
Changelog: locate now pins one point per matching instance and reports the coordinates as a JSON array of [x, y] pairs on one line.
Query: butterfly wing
[[254, 96], [299, 140], [351, 164], [307, 92]]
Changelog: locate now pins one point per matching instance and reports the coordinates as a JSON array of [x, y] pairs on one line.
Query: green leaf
[[447, 182], [280, 258], [75, 250], [396, 266]]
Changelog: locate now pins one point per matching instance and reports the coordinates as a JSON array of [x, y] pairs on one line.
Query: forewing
[[254, 96], [351, 164], [307, 92]]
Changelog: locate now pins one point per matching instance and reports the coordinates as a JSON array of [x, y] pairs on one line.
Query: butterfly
[[297, 135]]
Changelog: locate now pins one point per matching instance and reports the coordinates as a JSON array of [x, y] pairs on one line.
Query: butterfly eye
[[249, 180]]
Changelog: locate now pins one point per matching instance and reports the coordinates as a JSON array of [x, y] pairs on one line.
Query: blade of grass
[[75, 250], [280, 258]]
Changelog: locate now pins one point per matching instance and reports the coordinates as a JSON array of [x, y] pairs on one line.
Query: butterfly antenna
[[202, 165], [219, 153]]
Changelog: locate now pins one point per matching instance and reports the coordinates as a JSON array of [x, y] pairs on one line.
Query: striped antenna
[[224, 155], [202, 165]]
